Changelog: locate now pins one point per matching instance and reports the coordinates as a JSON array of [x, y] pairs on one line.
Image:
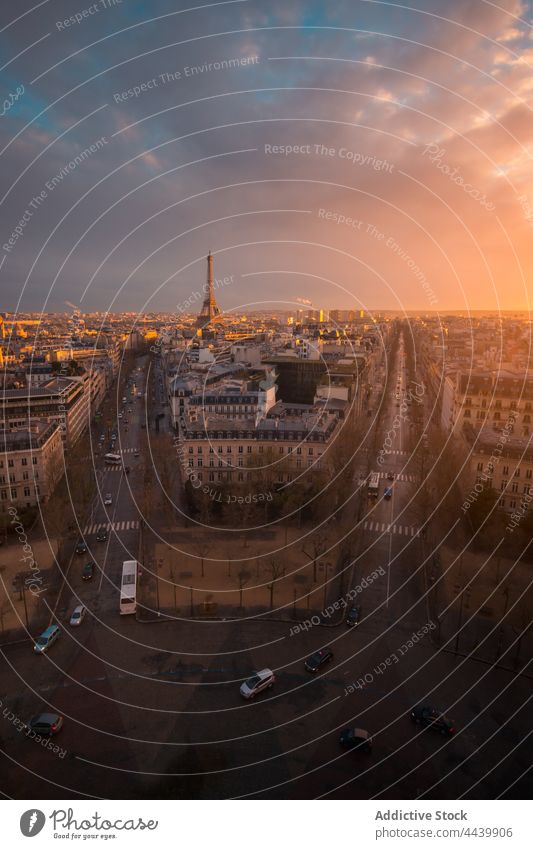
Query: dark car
[[356, 738], [388, 492], [88, 571], [318, 660], [101, 536], [430, 717], [354, 616], [81, 548], [127, 470], [46, 724]]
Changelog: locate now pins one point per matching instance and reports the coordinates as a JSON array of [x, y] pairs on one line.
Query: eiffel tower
[[210, 310]]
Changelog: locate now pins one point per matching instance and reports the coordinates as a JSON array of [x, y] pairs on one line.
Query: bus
[[373, 484], [113, 459], [128, 587]]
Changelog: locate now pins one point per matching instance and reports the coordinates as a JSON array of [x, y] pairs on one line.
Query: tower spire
[[210, 309]]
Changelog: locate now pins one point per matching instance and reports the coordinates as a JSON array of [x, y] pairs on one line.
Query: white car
[[108, 499], [257, 682], [77, 615]]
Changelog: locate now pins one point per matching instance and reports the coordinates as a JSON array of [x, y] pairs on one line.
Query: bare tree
[[202, 548], [243, 578], [275, 570]]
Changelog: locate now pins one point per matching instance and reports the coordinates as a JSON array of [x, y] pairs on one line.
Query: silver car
[[78, 615], [257, 682]]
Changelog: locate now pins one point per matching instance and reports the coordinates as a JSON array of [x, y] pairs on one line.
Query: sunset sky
[[413, 121]]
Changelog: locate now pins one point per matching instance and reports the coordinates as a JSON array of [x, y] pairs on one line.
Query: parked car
[[45, 724], [87, 571], [257, 682], [78, 615], [354, 616], [81, 548], [46, 639], [101, 536], [356, 738], [318, 659], [430, 717], [108, 499]]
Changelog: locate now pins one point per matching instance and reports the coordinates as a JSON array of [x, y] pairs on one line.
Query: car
[[120, 415], [390, 476], [45, 724], [356, 738], [126, 470], [77, 616], [136, 453], [430, 717], [101, 536], [81, 547], [318, 659], [353, 616], [261, 680], [87, 571], [388, 492], [46, 639], [126, 421], [108, 499], [124, 399], [113, 436]]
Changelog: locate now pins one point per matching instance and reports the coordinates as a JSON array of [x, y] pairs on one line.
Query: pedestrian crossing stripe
[[404, 478], [385, 527], [132, 525]]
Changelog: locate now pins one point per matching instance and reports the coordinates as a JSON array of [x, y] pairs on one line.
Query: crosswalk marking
[[382, 527], [131, 525], [405, 478]]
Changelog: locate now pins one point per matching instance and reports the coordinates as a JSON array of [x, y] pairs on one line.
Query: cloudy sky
[[351, 154]]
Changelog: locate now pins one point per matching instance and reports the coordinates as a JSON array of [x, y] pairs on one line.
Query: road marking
[[399, 530], [131, 525]]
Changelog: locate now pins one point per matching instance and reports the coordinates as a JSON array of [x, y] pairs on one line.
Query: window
[[527, 419], [512, 504], [517, 472], [27, 491], [191, 463], [249, 449], [241, 449], [514, 487], [503, 486], [229, 449], [529, 473], [480, 467], [505, 470], [34, 460], [501, 502], [240, 476], [24, 461], [526, 489], [281, 449], [299, 450], [497, 417], [199, 462], [199, 449], [25, 476], [467, 414], [3, 495], [211, 476], [219, 449], [13, 492], [10, 463]]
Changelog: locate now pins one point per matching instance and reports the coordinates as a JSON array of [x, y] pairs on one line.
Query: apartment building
[[31, 464], [501, 462], [290, 440], [62, 400], [488, 399]]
